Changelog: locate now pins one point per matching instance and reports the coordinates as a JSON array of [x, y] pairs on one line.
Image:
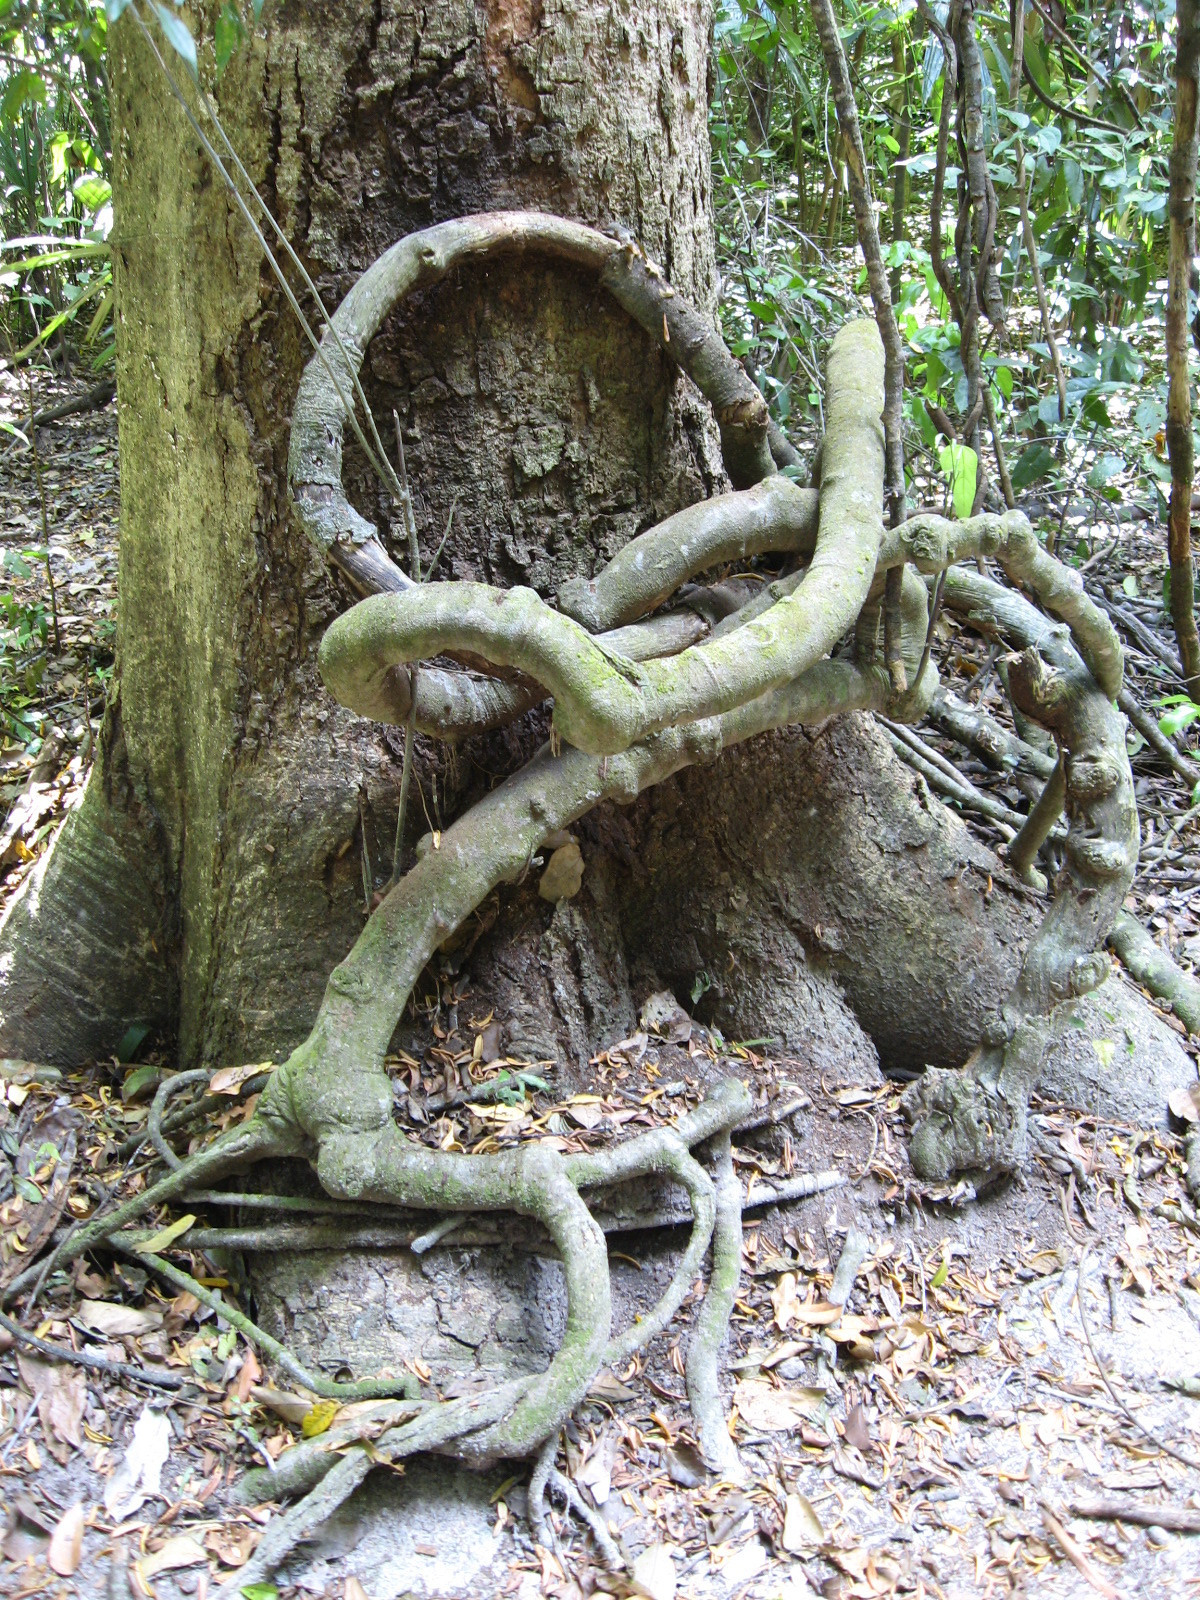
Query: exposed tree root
[[974, 1122], [636, 704], [1148, 963], [545, 1478]]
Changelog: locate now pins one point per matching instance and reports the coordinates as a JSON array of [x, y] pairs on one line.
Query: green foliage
[[961, 466], [24, 637], [1097, 202], [1181, 712], [56, 202]]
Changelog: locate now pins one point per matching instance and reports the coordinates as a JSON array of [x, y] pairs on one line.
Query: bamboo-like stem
[[859, 185], [1182, 248]]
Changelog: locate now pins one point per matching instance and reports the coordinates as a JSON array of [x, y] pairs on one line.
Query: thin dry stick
[[82, 1358], [1142, 1513], [1076, 1556], [1160, 1444]]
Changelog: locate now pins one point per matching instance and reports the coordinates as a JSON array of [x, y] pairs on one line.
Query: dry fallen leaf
[[685, 1466], [596, 1473], [857, 1432], [248, 1375], [139, 1475], [801, 1525], [355, 1590], [766, 1409], [232, 1546], [606, 1386], [113, 1321], [1185, 1103], [60, 1393], [292, 1408], [784, 1300], [182, 1551], [66, 1542], [653, 1574], [229, 1080]]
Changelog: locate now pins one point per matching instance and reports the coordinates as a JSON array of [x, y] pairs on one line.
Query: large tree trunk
[[529, 403], [239, 819]]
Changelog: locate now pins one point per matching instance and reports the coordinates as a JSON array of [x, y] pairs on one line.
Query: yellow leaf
[[165, 1237], [940, 1276], [319, 1418], [66, 1542], [229, 1080]]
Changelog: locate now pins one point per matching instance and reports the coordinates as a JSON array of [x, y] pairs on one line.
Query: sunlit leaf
[[177, 34], [25, 88], [961, 466]]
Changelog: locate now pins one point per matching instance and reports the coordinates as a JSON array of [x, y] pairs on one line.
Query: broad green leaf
[[1104, 469], [931, 67], [140, 1084], [177, 34], [228, 33], [260, 1591], [131, 1041], [961, 466], [1047, 409], [1035, 463], [25, 88], [1004, 381], [92, 190], [1178, 718]]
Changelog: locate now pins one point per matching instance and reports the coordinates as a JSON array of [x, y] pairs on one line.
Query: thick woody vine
[[646, 677]]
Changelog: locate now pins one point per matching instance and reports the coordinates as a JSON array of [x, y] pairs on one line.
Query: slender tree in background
[[1180, 447], [881, 295]]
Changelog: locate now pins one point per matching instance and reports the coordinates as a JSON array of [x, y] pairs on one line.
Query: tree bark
[[529, 404], [1182, 249]]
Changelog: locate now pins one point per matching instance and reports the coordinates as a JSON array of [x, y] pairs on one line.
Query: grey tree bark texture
[[240, 818]]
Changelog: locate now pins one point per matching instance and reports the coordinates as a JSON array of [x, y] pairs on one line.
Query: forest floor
[[950, 1433]]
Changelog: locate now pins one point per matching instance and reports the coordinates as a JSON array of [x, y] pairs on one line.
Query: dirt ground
[[986, 1416]]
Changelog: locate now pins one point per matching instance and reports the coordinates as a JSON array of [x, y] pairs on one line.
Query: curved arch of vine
[[645, 682]]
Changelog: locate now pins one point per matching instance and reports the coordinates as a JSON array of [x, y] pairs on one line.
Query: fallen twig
[[1175, 1519], [1076, 1556], [81, 1358], [1130, 1416]]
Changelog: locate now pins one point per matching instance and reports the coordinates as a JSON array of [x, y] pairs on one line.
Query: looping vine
[[637, 697]]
